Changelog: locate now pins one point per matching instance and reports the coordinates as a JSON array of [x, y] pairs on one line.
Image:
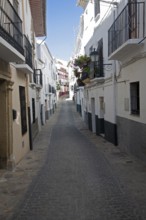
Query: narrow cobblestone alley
[[83, 177]]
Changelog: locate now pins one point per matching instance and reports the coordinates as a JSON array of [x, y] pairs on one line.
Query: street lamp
[[97, 65], [94, 66], [94, 55]]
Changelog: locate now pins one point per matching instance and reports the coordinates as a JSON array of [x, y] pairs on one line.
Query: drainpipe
[[30, 129], [114, 99], [114, 95], [29, 113]]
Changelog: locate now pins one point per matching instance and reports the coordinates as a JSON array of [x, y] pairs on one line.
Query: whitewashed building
[[114, 97], [42, 87], [98, 103], [72, 80], [48, 92], [62, 78], [127, 46], [20, 22]]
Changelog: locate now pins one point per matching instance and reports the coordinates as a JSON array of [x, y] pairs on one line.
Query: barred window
[[135, 98], [100, 50], [23, 109]]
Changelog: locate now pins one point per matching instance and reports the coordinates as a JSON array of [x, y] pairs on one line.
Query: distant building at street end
[[62, 78]]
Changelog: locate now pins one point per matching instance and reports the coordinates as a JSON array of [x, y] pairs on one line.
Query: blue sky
[[63, 18]]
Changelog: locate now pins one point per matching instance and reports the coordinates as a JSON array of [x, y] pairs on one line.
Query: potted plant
[[82, 69]]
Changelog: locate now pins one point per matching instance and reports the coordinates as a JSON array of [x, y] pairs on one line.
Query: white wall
[[72, 81], [105, 89], [27, 20], [20, 142], [132, 73], [49, 77]]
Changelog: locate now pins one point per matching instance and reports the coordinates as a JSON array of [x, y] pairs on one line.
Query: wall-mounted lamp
[[97, 65], [94, 55]]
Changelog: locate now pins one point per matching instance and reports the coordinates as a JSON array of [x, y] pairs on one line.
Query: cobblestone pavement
[[74, 175]]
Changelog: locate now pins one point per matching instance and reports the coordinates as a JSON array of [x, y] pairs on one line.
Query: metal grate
[[11, 25], [128, 25]]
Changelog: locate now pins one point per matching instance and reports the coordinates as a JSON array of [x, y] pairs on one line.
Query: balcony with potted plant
[[82, 70]]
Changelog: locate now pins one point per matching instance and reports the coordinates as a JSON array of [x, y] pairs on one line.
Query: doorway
[[101, 115], [93, 115]]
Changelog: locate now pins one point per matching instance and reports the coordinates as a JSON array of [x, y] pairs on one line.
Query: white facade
[[115, 101], [48, 91], [17, 45], [72, 80], [62, 77], [42, 91], [130, 54], [99, 98]]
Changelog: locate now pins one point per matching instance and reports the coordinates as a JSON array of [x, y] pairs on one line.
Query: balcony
[[28, 52], [26, 67], [37, 78], [38, 10], [11, 37], [126, 32]]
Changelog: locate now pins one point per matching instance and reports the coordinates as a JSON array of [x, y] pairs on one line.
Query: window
[[96, 8], [135, 99], [23, 109], [100, 51], [33, 110]]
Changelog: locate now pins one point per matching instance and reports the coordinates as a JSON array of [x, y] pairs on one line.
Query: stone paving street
[[73, 175]]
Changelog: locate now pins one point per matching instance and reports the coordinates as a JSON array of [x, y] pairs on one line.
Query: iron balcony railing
[[130, 24], [37, 77], [28, 52], [11, 25]]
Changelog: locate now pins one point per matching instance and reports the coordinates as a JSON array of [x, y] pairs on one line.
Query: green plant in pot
[[81, 68]]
